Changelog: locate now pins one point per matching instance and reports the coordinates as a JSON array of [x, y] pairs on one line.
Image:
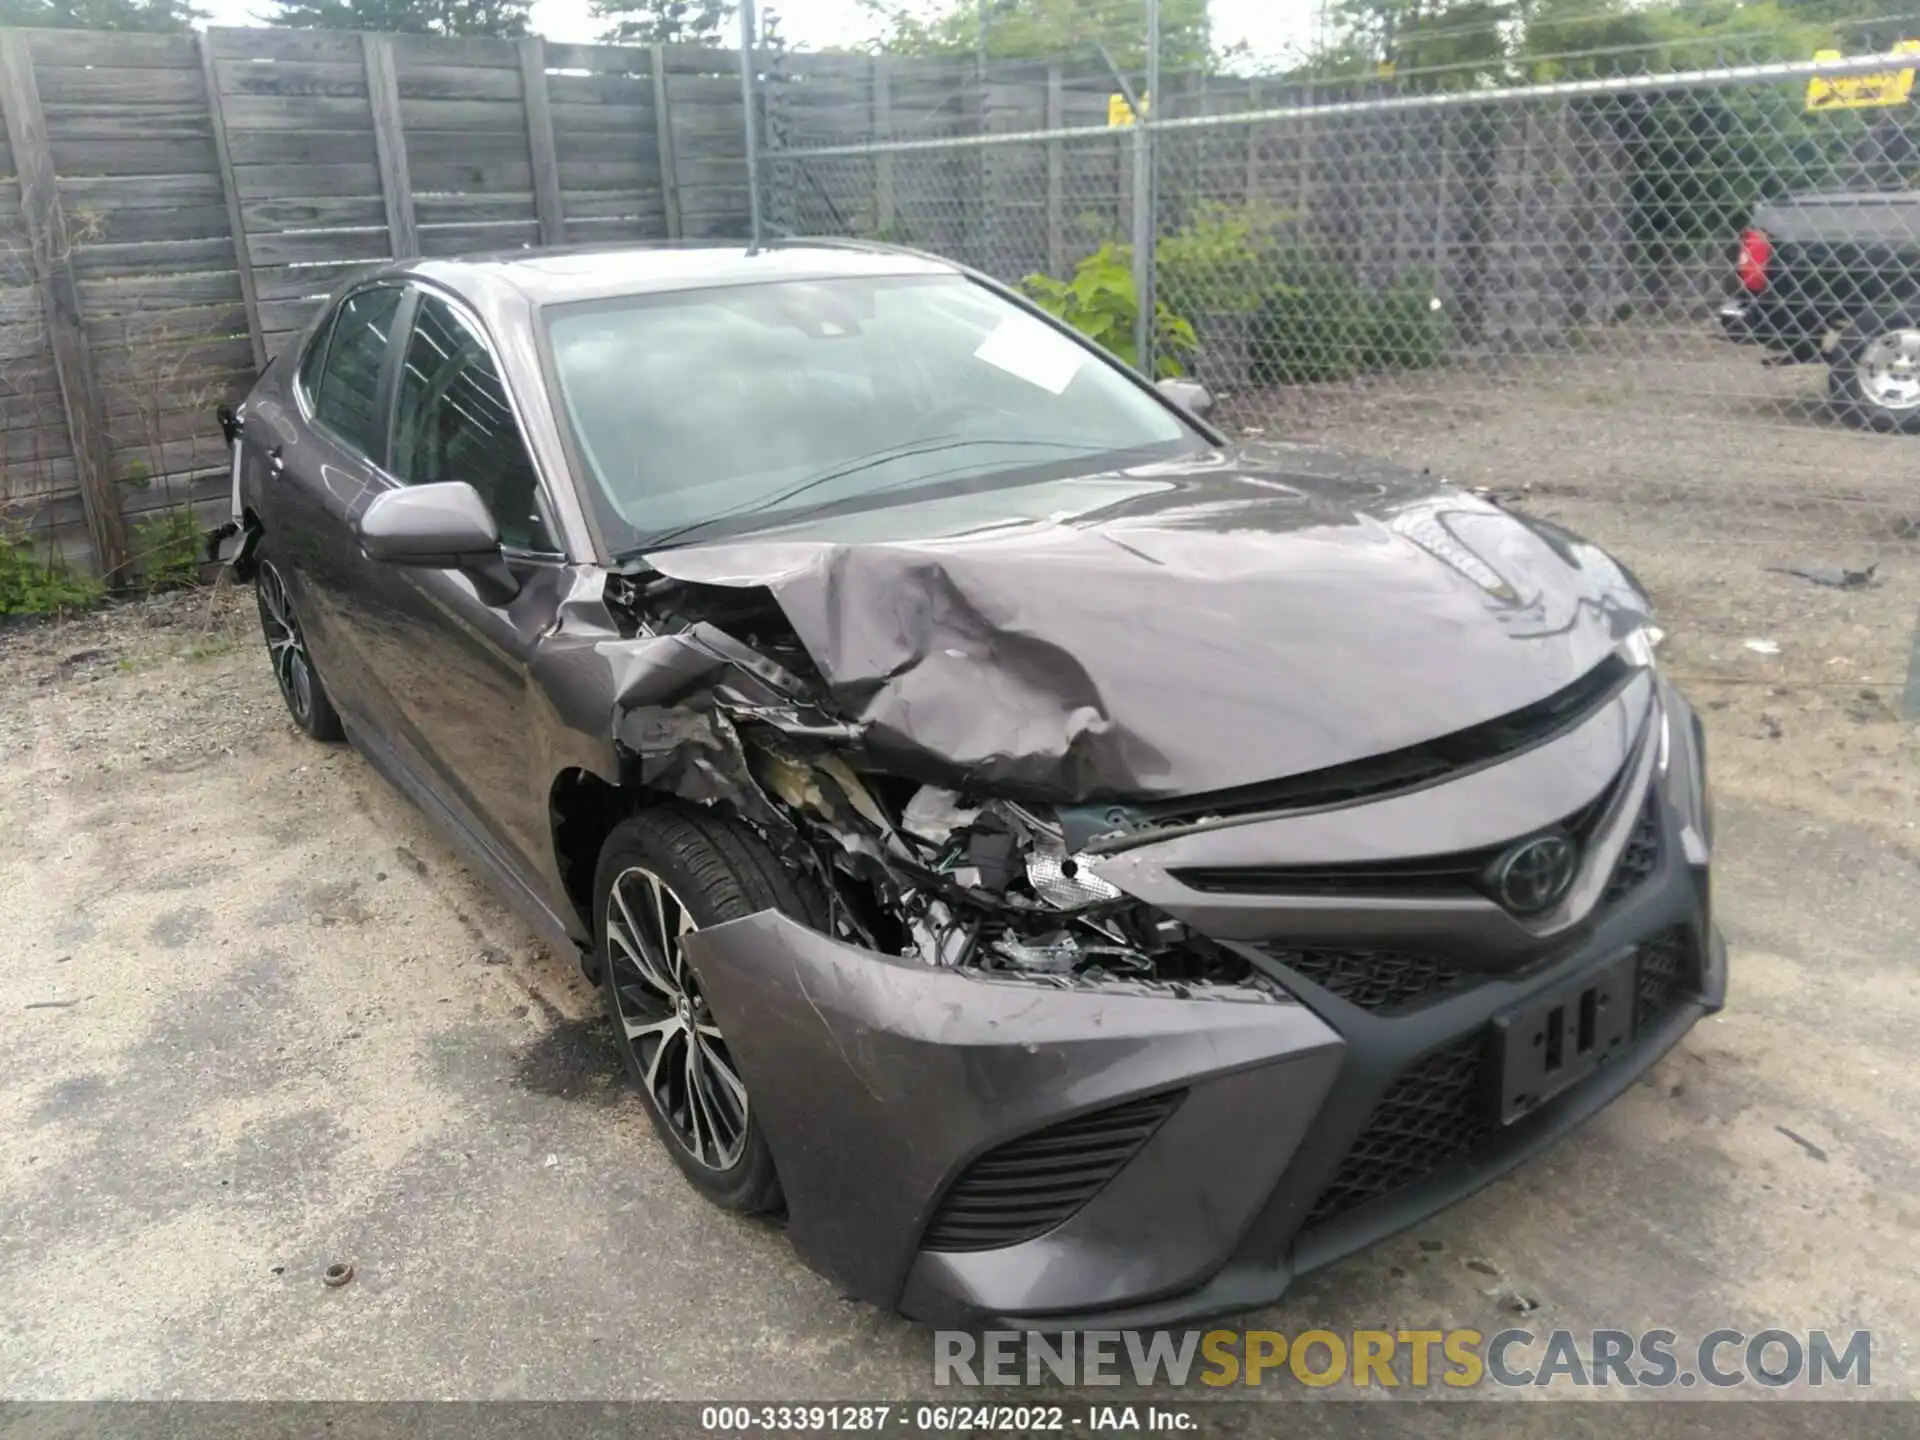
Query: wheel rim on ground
[[1890, 369], [292, 667], [678, 1051]]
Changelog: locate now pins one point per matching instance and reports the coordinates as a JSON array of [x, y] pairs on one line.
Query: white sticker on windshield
[[1034, 352]]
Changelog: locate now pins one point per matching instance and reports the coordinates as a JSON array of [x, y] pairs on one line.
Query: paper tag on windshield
[[1034, 352]]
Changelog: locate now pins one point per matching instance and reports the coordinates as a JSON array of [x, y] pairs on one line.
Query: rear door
[[324, 470]]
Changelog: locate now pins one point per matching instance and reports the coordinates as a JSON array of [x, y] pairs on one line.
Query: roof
[[550, 277]]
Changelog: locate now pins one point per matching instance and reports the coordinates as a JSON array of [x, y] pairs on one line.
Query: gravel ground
[[260, 1019]]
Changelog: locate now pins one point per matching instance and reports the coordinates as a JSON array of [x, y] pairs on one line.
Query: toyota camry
[[1079, 868]]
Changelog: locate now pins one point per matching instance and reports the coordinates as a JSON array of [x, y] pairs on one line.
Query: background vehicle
[[1837, 277]]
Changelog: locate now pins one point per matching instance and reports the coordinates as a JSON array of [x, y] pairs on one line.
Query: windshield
[[706, 412]]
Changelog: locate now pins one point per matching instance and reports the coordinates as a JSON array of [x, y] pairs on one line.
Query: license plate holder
[[1558, 1039]]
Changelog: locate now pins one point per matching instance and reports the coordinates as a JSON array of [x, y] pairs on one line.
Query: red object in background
[[1756, 253]]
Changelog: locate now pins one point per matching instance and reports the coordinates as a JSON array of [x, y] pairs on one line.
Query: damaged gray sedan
[[1081, 869]]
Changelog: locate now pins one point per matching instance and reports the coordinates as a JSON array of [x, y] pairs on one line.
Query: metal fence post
[[1055, 119], [547, 204], [880, 73], [663, 141], [1144, 218], [747, 109]]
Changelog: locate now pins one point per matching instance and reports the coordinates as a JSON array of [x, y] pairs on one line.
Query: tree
[[1566, 38], [144, 15], [1044, 30], [504, 18], [664, 22], [1426, 44]]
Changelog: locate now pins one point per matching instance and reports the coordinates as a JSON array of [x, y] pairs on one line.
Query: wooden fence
[[183, 202]]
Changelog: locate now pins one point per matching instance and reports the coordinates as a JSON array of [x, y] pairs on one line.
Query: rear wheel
[[1875, 380], [663, 875], [293, 668]]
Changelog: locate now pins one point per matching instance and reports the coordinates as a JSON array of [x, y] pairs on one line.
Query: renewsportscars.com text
[[1410, 1359]]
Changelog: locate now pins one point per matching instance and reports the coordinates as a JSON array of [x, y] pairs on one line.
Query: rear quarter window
[[348, 395]]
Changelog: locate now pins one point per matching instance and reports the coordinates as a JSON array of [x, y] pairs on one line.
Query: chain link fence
[[1674, 304]]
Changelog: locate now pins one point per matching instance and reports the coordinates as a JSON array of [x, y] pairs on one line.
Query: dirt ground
[[259, 1019]]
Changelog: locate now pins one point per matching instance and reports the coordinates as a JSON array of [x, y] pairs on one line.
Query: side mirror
[[1189, 395], [446, 526]]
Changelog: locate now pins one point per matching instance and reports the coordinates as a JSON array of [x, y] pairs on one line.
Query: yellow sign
[[1861, 92], [1120, 114]]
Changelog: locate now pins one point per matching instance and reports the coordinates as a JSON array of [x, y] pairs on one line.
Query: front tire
[[1875, 379], [293, 670], [663, 874]]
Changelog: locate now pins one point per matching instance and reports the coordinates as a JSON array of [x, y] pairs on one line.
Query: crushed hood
[[1181, 628]]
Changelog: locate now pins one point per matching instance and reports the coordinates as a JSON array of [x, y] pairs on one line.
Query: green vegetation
[[33, 584], [1043, 30], [167, 549], [1306, 319], [1318, 323], [162, 16], [212, 648], [670, 22], [504, 18], [1102, 303], [1222, 259]]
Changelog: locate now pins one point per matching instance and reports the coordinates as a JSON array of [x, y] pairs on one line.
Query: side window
[[347, 401], [308, 375], [453, 422]]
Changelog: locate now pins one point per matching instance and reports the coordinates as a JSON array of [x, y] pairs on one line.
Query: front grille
[[1028, 1186], [1431, 1114], [1665, 972], [1641, 857], [1377, 980]]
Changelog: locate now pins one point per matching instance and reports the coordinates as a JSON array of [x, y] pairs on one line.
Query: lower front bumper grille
[[1028, 1186], [1666, 970], [1430, 1114], [1438, 1109], [1378, 980]]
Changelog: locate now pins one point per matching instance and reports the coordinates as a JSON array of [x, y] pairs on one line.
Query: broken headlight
[[1065, 881], [1639, 646]]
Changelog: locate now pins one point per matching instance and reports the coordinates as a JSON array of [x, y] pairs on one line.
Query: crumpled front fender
[[876, 1080]]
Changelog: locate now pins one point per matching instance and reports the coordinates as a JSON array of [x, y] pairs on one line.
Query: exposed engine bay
[[951, 734], [722, 706]]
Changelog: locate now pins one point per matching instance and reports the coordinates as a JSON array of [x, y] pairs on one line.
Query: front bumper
[[1736, 322], [1800, 330], [1266, 1139]]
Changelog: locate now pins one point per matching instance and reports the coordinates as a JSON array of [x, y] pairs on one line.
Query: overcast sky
[[1270, 28]]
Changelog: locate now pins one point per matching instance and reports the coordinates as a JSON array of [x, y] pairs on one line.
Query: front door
[[450, 649]]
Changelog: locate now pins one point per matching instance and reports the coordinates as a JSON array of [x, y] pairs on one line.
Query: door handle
[[276, 462]]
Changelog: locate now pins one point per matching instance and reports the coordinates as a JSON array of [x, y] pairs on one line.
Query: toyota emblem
[[1534, 874]]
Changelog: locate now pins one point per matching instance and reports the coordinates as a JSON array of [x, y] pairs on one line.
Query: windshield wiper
[[838, 472]]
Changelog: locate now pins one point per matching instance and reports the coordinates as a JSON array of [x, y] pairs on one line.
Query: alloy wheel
[[679, 1052], [1890, 369], [292, 666]]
